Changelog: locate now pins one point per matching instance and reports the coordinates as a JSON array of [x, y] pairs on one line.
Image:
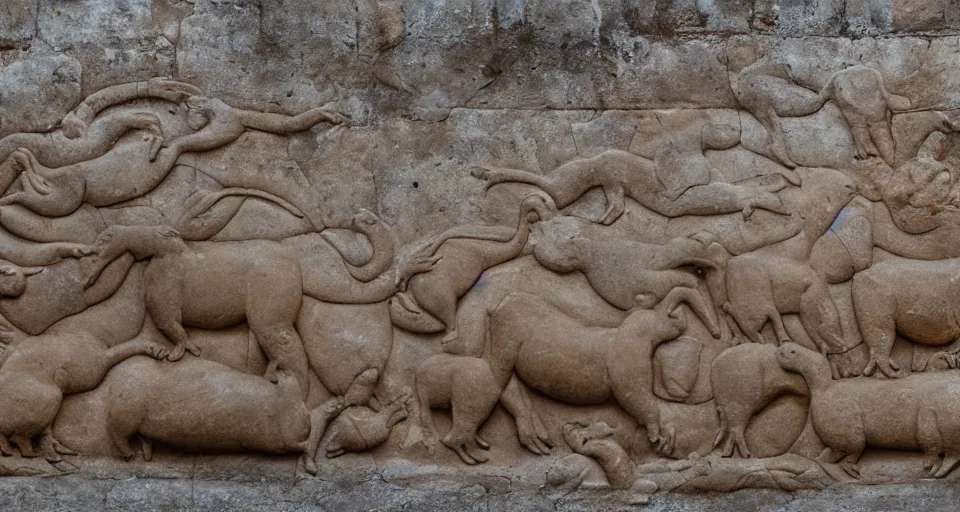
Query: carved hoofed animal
[[213, 285], [553, 355], [915, 299], [920, 412]]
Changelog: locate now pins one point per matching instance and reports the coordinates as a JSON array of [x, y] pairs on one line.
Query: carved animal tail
[[251, 192]]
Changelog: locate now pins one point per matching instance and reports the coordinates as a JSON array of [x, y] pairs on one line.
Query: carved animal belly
[[929, 320], [572, 369], [124, 173]]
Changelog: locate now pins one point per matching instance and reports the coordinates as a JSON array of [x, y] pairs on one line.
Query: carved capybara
[[213, 285], [920, 412], [915, 299], [745, 379], [201, 404], [468, 387]]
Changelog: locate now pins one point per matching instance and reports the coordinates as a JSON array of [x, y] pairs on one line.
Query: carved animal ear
[[31, 271]]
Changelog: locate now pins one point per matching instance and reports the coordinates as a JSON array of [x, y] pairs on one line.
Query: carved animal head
[[13, 278], [794, 358], [557, 245]]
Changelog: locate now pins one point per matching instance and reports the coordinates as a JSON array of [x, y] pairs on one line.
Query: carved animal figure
[[621, 174], [214, 285], [554, 355], [40, 370], [623, 272], [468, 387], [915, 299], [596, 441], [360, 428], [75, 124], [56, 149], [867, 106], [202, 404], [762, 288], [131, 170], [747, 378], [767, 90], [917, 413], [464, 253]]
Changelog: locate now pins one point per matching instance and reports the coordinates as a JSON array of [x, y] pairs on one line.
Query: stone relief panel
[[753, 293]]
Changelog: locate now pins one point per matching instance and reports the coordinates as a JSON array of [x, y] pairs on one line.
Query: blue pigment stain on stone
[[844, 213]]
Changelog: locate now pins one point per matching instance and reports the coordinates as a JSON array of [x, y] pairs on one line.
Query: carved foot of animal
[[885, 365], [25, 445], [768, 201], [949, 462], [532, 438], [663, 438], [53, 449], [5, 449], [850, 468], [177, 353], [468, 449], [481, 173], [271, 373]]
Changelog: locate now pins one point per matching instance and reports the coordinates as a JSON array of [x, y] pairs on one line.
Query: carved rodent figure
[[745, 379], [202, 404], [596, 441], [214, 285], [916, 413], [915, 299], [464, 253]]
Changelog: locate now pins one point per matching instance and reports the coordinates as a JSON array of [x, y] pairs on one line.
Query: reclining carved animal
[[916, 413], [204, 405]]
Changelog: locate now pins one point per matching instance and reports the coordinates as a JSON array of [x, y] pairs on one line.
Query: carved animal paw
[[69, 250], [177, 353], [885, 365], [469, 450], [532, 440], [663, 438], [157, 352]]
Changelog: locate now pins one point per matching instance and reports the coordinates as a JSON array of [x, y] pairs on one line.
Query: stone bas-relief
[[708, 308]]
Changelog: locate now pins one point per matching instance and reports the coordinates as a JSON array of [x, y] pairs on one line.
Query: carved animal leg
[[50, 447], [950, 461], [878, 327], [121, 444], [778, 148], [427, 434], [25, 444], [5, 449], [132, 348], [472, 401], [146, 447], [883, 140], [319, 419], [777, 320], [733, 422], [530, 430], [164, 300], [439, 301], [616, 204], [862, 142], [284, 347]]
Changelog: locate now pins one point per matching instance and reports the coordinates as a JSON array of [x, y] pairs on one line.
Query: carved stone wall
[[500, 254]]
